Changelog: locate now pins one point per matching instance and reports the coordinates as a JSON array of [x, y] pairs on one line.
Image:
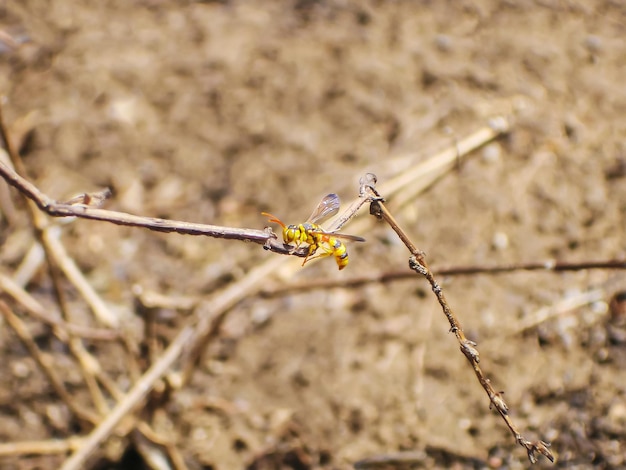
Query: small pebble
[[500, 241], [593, 43], [492, 153]]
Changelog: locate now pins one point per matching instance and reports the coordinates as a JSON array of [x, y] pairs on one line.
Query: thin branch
[[59, 260], [57, 209], [56, 250], [59, 327], [209, 315], [391, 276], [426, 173], [44, 363], [54, 446], [417, 263], [136, 394]]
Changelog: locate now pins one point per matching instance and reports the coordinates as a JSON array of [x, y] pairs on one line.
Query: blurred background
[[214, 111]]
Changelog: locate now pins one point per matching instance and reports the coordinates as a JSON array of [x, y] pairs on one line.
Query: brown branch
[[59, 327], [56, 209], [426, 172], [59, 261], [44, 363], [210, 315], [390, 276], [137, 393], [418, 264]]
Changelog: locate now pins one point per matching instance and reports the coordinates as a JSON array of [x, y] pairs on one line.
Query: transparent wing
[[327, 207], [343, 236]]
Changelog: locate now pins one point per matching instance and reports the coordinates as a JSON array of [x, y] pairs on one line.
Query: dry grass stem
[[563, 307], [60, 328], [29, 266], [56, 250], [54, 446], [59, 261], [157, 449], [211, 313], [129, 402], [45, 364], [415, 180]]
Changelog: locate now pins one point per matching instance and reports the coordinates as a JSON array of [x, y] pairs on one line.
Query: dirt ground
[[214, 111]]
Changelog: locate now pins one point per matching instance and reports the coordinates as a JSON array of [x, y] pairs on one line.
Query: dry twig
[[44, 363], [210, 314], [59, 261], [417, 263], [129, 402], [60, 328], [391, 276], [53, 446]]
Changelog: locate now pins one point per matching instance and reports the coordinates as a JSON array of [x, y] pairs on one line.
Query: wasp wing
[[343, 236], [327, 207]]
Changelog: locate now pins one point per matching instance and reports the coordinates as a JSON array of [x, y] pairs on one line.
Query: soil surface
[[212, 112]]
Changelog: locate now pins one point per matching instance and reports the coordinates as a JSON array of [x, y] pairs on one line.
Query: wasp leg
[[312, 249], [326, 251]]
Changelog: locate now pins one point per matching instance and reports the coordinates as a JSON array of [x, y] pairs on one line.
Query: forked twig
[[427, 172], [211, 315], [59, 209], [59, 261], [43, 361], [418, 264], [136, 394], [60, 328]]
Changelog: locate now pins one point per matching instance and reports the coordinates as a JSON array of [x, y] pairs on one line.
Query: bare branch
[[471, 270], [57, 209], [60, 327], [130, 401], [44, 363], [418, 264], [53, 446]]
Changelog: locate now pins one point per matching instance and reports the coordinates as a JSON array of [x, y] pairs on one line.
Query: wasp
[[311, 233]]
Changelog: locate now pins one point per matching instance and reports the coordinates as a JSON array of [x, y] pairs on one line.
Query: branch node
[[416, 266], [539, 446], [498, 402], [468, 348], [95, 199]]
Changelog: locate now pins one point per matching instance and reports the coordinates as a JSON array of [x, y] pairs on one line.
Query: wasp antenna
[[273, 218]]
